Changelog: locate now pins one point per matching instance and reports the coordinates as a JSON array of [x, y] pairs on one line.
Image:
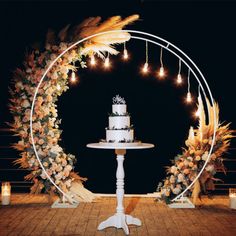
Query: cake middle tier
[[118, 136], [119, 122]]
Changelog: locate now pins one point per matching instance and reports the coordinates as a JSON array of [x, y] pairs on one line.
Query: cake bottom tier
[[118, 136]]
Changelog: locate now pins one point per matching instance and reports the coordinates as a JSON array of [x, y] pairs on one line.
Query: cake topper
[[118, 100]]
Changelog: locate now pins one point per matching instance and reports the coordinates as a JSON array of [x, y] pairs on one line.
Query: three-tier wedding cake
[[119, 129]]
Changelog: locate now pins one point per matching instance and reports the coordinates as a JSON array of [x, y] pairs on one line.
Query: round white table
[[120, 219]]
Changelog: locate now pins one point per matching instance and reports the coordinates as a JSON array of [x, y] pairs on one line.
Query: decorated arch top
[[118, 100]]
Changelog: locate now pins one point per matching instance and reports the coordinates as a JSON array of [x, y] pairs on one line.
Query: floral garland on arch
[[59, 165], [189, 163]]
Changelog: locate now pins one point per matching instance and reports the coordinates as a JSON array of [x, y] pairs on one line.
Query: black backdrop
[[205, 31]]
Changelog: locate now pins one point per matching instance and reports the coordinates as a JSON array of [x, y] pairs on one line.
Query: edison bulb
[[179, 79], [189, 97], [73, 77], [92, 60], [145, 68], [161, 71], [107, 62], [125, 54]]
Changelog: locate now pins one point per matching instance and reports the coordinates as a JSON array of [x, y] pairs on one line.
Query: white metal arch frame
[[156, 41]]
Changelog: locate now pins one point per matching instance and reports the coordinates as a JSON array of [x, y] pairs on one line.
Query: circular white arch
[[163, 43]]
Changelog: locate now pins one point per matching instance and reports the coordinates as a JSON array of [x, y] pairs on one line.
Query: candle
[[6, 193], [232, 198]]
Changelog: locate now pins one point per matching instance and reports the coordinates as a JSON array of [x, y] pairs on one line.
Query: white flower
[[43, 175], [54, 76], [173, 169], [54, 166], [180, 178], [190, 158], [59, 176], [210, 168], [59, 168], [64, 162], [68, 183], [51, 133], [172, 179], [205, 156], [56, 149], [19, 85], [25, 103], [186, 162], [45, 164], [68, 167], [176, 191]]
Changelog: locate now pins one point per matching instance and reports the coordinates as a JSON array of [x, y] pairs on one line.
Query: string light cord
[[179, 67], [161, 57], [146, 51], [188, 80]]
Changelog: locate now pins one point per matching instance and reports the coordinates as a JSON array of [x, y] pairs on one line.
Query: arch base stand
[[183, 202], [64, 203]]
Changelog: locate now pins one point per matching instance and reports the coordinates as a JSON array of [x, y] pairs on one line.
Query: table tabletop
[[120, 145]]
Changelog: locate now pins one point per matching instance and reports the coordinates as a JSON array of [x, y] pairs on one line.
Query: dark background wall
[[203, 30]]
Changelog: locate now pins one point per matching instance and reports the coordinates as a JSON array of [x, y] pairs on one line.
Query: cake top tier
[[118, 100]]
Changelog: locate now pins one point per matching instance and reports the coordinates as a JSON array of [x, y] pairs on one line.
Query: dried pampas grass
[[103, 43]]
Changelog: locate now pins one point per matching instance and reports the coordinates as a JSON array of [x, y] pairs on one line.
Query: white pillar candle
[[232, 200], [6, 193]]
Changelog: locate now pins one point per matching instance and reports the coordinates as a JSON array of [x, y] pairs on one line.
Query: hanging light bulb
[[107, 61], [189, 98], [58, 87], [179, 79], [73, 77], [161, 72], [145, 68], [125, 54], [92, 60], [179, 76]]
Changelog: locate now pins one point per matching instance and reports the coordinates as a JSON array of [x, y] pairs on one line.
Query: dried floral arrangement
[[189, 163], [58, 164]]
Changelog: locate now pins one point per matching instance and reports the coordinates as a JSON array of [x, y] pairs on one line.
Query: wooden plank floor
[[32, 215]]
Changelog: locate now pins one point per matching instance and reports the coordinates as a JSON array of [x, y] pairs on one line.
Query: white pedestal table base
[[120, 220]]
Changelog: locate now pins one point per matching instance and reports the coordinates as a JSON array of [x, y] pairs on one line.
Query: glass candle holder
[[6, 193]]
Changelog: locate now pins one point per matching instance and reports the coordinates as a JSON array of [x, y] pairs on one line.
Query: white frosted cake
[[119, 129]]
